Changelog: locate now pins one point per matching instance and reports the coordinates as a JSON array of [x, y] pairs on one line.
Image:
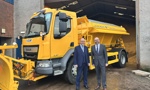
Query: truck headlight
[[43, 65]]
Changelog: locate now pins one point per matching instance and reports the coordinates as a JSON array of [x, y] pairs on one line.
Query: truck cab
[[50, 35], [45, 31]]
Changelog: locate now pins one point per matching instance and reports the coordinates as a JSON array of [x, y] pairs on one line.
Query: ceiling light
[[79, 11], [70, 4], [120, 14], [120, 7], [115, 12], [132, 16]]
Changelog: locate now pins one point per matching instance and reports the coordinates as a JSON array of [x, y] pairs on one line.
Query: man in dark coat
[[100, 61], [81, 62]]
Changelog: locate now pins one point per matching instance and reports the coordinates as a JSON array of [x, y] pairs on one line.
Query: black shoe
[[97, 88], [86, 87], [77, 88]]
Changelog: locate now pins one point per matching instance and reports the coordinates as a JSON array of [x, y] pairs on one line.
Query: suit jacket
[[101, 57], [79, 56]]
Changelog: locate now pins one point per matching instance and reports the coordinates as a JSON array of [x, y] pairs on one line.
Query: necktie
[[83, 48], [97, 48]]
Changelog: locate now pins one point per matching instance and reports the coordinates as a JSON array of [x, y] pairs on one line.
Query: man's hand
[[88, 64], [106, 65], [76, 66]]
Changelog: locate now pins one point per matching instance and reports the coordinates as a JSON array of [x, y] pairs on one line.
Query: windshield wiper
[[32, 35]]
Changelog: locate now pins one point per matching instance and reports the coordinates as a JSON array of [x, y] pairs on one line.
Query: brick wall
[[6, 19]]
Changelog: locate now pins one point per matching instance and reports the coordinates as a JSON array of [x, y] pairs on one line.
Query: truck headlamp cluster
[[43, 65]]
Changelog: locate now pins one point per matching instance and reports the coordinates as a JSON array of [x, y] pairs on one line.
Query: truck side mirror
[[63, 16], [42, 34], [27, 25], [62, 26]]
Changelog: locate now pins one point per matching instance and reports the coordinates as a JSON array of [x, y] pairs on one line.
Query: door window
[[57, 34]]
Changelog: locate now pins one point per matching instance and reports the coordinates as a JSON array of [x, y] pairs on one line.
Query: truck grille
[[30, 52]]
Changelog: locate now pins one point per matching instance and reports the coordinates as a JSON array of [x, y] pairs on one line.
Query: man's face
[[82, 42], [96, 41]]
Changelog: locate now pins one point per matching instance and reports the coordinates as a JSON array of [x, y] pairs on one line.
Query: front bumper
[[44, 70]]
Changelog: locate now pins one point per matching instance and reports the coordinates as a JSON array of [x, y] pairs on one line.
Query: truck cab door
[[62, 39]]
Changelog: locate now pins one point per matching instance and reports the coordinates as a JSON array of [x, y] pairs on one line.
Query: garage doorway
[[118, 12]]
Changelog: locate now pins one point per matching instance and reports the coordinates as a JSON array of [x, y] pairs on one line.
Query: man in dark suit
[[81, 62], [100, 61]]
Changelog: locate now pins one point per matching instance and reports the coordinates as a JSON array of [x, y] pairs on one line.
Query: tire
[[122, 60], [71, 72]]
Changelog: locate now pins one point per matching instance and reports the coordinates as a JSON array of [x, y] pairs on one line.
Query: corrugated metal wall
[[10, 1]]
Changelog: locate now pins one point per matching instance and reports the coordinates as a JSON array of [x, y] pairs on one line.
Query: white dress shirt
[[97, 47]]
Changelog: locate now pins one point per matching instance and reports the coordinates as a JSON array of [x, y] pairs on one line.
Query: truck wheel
[[122, 60], [71, 72]]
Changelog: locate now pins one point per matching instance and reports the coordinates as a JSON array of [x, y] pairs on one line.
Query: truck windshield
[[40, 23]]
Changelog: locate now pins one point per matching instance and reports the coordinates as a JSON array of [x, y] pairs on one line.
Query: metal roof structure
[[102, 10]]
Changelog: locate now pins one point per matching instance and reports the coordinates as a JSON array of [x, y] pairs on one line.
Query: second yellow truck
[[48, 47]]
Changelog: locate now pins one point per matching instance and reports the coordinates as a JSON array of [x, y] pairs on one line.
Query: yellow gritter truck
[[48, 47]]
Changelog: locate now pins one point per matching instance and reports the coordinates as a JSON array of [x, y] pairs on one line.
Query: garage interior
[[119, 12]]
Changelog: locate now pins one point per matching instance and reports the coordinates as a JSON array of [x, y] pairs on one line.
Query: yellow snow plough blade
[[7, 81]]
